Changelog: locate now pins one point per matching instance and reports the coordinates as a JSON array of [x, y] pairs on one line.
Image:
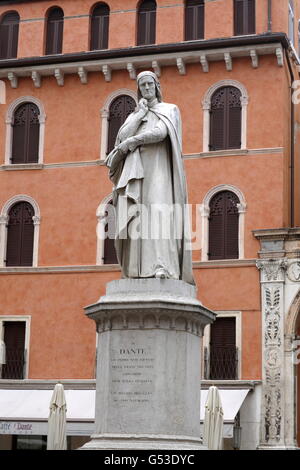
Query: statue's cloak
[[127, 173]]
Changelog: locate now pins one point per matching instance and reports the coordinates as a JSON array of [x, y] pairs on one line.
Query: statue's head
[[149, 77]]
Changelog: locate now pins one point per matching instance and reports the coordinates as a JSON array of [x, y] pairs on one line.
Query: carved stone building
[[67, 82]]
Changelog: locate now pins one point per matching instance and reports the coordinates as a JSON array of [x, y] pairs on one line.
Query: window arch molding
[[4, 216], [104, 114], [205, 211], [100, 230], [9, 129], [206, 105]]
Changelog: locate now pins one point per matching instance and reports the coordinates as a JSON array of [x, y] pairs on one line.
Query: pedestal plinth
[[148, 365]]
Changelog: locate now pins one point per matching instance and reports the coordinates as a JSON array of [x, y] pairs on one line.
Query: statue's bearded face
[[147, 87]]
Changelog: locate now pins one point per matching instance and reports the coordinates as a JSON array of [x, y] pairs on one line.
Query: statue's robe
[[147, 181]]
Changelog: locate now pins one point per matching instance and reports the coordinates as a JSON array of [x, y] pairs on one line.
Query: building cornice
[[140, 57]]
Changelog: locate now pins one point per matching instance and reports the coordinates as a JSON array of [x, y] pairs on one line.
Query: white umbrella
[[213, 421], [57, 438]]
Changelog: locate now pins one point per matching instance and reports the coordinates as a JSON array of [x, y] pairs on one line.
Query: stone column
[[148, 365], [273, 395]]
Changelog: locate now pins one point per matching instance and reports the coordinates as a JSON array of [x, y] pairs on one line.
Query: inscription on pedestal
[[132, 375]]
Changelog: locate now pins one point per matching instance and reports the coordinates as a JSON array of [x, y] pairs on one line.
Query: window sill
[[22, 166], [205, 384], [221, 263]]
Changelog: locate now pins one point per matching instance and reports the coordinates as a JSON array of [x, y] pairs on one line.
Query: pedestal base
[[148, 365], [142, 442]]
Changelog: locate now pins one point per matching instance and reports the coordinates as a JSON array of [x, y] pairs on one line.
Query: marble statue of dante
[[149, 193]]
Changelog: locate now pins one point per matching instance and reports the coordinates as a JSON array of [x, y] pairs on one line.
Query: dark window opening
[[224, 226], [221, 362], [244, 17], [225, 119], [9, 34], [110, 255], [54, 34], [26, 131], [20, 235], [146, 23], [119, 110], [194, 20], [14, 340], [99, 27]]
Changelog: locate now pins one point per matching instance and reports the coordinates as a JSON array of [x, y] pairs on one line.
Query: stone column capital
[[272, 270]]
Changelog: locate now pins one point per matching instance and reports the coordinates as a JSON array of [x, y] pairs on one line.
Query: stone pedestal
[[148, 365]]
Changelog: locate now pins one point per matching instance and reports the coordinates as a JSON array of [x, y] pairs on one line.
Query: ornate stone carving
[[272, 270], [272, 279], [293, 271]]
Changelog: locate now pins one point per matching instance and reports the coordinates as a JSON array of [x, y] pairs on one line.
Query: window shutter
[[9, 34], [14, 339], [216, 227], [194, 20], [26, 129], [239, 17], [244, 17], [110, 256], [99, 27], [55, 26], [27, 235], [217, 120], [33, 130], [231, 229], [119, 110], [225, 119], [251, 17], [14, 39], [222, 333], [19, 135], [224, 226], [146, 23], [223, 349], [20, 234], [234, 119]]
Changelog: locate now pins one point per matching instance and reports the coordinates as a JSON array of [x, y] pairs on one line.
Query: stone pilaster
[[272, 280]]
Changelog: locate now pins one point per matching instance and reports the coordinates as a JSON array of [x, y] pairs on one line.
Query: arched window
[[99, 27], [119, 109], [146, 24], [244, 17], [194, 20], [109, 252], [26, 130], [54, 34], [9, 33], [223, 226], [225, 119], [20, 235]]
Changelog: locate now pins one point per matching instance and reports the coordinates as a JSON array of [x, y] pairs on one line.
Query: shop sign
[[16, 427]]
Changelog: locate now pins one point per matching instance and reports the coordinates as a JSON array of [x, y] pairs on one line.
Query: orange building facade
[[255, 293]]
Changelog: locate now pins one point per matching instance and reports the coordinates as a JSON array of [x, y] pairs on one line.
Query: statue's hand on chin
[[143, 107]]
